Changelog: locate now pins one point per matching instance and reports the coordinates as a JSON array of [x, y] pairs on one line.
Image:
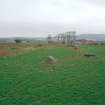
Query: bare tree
[[73, 39], [63, 38], [49, 38], [68, 38], [58, 38]]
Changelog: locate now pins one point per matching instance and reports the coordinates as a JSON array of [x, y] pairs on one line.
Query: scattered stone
[[90, 55], [50, 60], [76, 47]]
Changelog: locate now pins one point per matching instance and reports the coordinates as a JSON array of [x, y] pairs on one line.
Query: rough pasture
[[73, 80], [11, 49]]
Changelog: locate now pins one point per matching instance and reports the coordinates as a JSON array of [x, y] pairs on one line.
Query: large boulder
[[50, 60]]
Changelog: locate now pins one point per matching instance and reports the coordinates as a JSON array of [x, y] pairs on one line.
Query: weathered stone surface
[[50, 60]]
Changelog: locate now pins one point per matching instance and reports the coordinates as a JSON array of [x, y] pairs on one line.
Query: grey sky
[[41, 17]]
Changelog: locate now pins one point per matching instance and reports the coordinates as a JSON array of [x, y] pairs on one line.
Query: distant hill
[[97, 37], [23, 39]]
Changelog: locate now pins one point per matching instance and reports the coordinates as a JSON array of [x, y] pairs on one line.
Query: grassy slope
[[74, 80]]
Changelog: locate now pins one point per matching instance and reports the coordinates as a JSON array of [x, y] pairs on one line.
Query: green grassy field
[[73, 80]]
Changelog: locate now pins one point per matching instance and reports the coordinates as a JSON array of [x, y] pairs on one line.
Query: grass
[[73, 80]]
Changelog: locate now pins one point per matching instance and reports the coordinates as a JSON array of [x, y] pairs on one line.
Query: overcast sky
[[42, 17]]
